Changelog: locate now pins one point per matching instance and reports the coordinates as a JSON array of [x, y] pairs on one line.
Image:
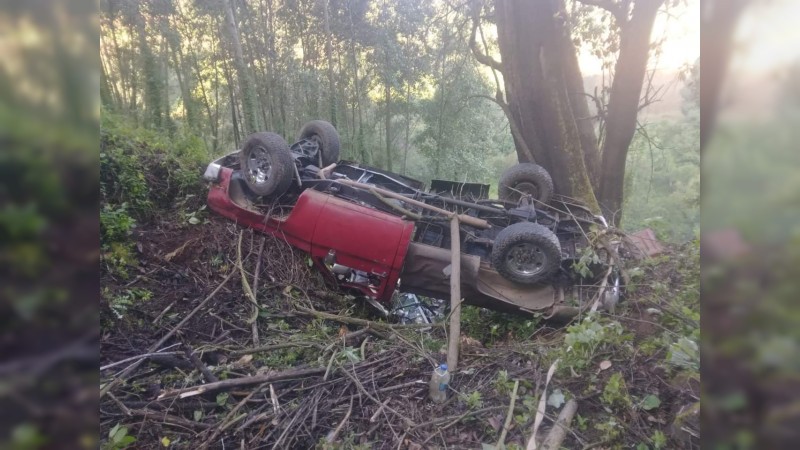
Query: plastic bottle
[[440, 379]]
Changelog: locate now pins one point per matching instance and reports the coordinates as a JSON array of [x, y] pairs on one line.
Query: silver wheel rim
[[526, 259], [259, 165], [525, 188]]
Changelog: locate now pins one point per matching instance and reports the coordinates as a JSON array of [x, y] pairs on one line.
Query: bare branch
[[515, 131], [618, 10], [482, 58]]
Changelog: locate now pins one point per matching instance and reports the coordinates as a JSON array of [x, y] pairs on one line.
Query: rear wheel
[[267, 164], [525, 179], [526, 252], [327, 138]]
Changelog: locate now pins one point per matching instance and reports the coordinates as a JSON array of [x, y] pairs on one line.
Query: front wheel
[[526, 253], [267, 164]]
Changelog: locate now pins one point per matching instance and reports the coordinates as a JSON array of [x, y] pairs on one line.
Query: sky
[[767, 37], [681, 26]]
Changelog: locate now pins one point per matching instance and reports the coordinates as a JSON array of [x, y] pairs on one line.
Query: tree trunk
[[623, 105], [329, 58], [388, 123], [537, 87], [246, 93], [408, 127]]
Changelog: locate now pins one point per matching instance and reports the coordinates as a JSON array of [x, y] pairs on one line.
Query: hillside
[[188, 361]]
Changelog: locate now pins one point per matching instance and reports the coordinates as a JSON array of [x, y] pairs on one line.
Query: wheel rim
[[525, 188], [259, 165], [526, 259]]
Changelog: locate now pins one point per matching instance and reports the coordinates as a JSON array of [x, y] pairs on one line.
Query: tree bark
[[623, 105], [246, 93], [329, 58], [531, 39], [387, 92]]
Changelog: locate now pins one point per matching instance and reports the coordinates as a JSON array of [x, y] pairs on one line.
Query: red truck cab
[[359, 247]]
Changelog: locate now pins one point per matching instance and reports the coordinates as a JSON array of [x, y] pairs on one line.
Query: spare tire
[[326, 136], [526, 252], [525, 179], [267, 165]]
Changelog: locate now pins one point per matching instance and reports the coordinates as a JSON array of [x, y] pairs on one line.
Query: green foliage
[[609, 429], [684, 354], [502, 384], [474, 400], [120, 302], [662, 181], [650, 402], [615, 393], [118, 438], [115, 224], [27, 436], [490, 327], [586, 338]]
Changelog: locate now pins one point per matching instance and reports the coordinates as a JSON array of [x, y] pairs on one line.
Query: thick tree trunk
[[623, 105], [537, 83]]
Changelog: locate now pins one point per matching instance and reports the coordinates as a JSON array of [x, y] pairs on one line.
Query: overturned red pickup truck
[[516, 251]]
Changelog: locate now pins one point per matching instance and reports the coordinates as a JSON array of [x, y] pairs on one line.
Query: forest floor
[[310, 368], [305, 381]]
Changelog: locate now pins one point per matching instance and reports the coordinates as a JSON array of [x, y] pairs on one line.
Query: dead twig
[[537, 422], [254, 325], [138, 357], [210, 377], [363, 322], [230, 418], [161, 341], [331, 437], [239, 382], [245, 285], [267, 348], [501, 442], [408, 422]]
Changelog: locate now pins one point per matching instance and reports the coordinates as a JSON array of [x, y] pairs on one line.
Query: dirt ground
[[305, 381]]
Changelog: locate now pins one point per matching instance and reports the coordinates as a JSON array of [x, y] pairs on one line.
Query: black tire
[[326, 135], [526, 252], [529, 178], [267, 165]]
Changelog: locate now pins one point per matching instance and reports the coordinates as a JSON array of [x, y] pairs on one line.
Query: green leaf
[[198, 415], [165, 441], [120, 435], [650, 402], [194, 220], [113, 431], [222, 398]]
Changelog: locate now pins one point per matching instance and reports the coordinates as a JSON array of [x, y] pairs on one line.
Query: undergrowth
[[145, 176]]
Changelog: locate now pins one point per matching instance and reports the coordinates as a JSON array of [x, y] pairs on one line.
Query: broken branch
[[239, 382], [161, 341]]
